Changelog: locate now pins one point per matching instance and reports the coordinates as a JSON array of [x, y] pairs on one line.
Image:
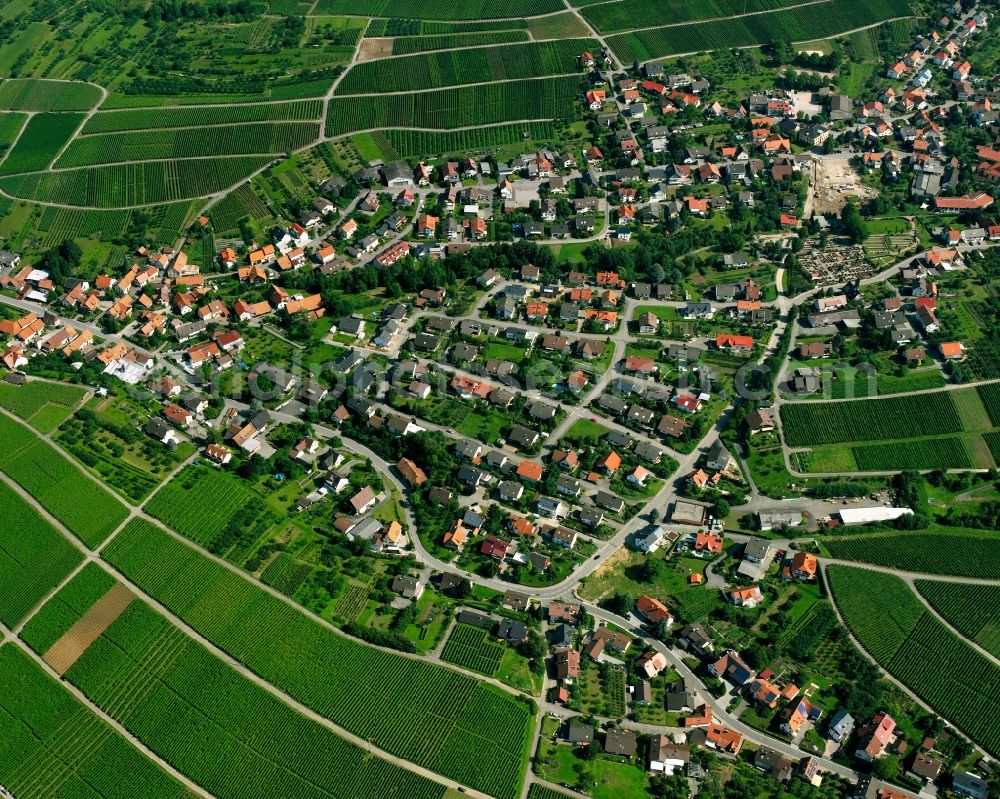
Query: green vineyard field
[[914, 647], [43, 137], [125, 185], [203, 503], [930, 453], [472, 648], [34, 557], [43, 405], [417, 143], [436, 718], [256, 139], [155, 118], [414, 27], [475, 65], [810, 423], [406, 45], [441, 110], [35, 94], [88, 511], [427, 9], [798, 24], [222, 730], [65, 609], [928, 553], [54, 746], [622, 15], [973, 610]]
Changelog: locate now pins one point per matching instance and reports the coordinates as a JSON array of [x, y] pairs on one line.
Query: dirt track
[[75, 641]]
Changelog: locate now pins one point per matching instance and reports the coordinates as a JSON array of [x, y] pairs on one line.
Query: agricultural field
[[33, 94], [811, 423], [158, 118], [928, 453], [541, 792], [125, 185], [475, 65], [416, 27], [87, 509], [219, 728], [43, 405], [910, 644], [256, 139], [433, 717], [815, 21], [973, 610], [34, 557], [63, 610], [415, 143], [472, 648], [444, 110], [426, 9], [972, 554], [990, 397], [11, 123], [40, 142], [240, 204], [866, 435], [53, 745], [163, 224], [212, 508], [622, 15], [406, 45]]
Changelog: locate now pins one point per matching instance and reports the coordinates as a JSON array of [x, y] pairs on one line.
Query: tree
[[855, 226]]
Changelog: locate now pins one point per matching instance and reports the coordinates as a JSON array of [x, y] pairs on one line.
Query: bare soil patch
[[370, 49], [76, 640]]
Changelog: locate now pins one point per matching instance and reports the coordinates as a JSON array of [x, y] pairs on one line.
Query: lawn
[[584, 428], [502, 352], [613, 780]]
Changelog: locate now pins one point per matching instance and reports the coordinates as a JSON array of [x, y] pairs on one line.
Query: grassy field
[[87, 510], [973, 610], [34, 557], [894, 627], [53, 745], [425, 714], [42, 405], [225, 732]]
